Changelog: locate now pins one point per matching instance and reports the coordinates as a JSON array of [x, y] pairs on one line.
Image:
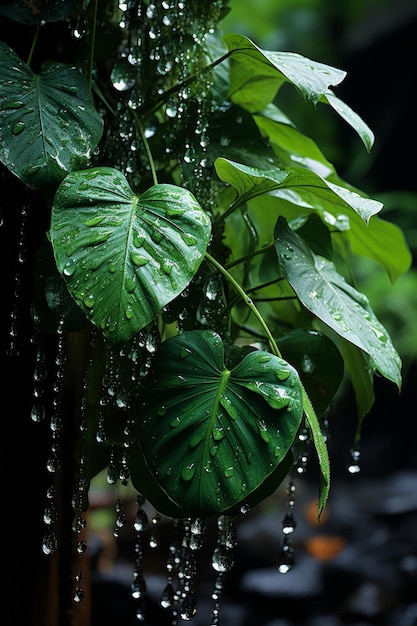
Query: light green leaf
[[327, 295], [290, 144], [375, 239], [256, 75], [322, 454], [212, 435], [124, 256], [352, 118], [48, 123]]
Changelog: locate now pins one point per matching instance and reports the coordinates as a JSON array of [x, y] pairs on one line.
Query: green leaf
[[321, 449], [211, 435], [380, 241], [361, 377], [248, 181], [256, 75], [318, 362], [124, 256], [297, 185], [48, 123], [327, 295], [290, 144], [352, 118]]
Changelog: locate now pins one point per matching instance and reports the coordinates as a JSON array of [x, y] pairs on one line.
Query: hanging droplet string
[[81, 495], [37, 413], [289, 524], [187, 569], [53, 465], [222, 560], [13, 349], [300, 449], [138, 586], [170, 597]]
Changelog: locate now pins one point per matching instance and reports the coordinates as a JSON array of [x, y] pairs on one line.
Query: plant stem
[[147, 148], [249, 303], [92, 43], [32, 49], [248, 257]]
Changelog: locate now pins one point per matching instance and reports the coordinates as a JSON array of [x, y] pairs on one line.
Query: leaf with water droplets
[[325, 293], [222, 432], [48, 121], [297, 185], [256, 76], [130, 255]]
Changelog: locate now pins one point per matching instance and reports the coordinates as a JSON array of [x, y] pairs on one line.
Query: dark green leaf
[[327, 295], [318, 362], [211, 436], [124, 256], [48, 123]]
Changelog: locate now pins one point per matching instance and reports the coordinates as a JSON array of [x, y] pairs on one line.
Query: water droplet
[[18, 128], [168, 596], [354, 466], [222, 559], [188, 606], [188, 471]]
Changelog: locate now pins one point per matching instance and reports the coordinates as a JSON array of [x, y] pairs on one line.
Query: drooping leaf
[[48, 122], [352, 118], [211, 436], [124, 256], [256, 76], [297, 185], [321, 450], [325, 293]]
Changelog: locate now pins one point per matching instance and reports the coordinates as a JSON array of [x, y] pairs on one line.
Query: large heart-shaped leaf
[[325, 293], [124, 256], [212, 435], [48, 123]]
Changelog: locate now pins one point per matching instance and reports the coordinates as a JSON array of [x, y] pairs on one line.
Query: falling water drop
[[353, 463]]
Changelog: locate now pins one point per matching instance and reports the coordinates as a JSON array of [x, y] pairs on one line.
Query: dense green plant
[[198, 243]]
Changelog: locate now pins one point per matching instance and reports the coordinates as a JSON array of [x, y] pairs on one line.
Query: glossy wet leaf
[[48, 123], [212, 435], [296, 185], [256, 76], [125, 256], [325, 293]]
